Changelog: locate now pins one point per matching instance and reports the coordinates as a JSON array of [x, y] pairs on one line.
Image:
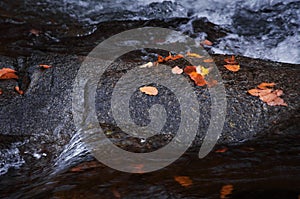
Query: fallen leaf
[[84, 166], [231, 60], [206, 43], [160, 59], [221, 150], [8, 73], [45, 66], [202, 70], [189, 69], [147, 65], [226, 190], [268, 95], [259, 92], [193, 55], [149, 90], [277, 102], [233, 68], [265, 85], [184, 181], [176, 70], [1, 92], [116, 193], [35, 32], [196, 77], [208, 60], [19, 90]]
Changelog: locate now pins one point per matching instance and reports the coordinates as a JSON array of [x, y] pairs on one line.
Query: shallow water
[[259, 169]]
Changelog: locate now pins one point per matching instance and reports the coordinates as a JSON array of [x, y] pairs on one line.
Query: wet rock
[[43, 114]]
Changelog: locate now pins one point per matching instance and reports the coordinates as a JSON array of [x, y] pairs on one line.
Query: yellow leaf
[[193, 55], [202, 70]]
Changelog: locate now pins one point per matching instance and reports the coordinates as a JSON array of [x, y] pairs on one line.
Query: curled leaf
[[147, 65], [184, 181], [193, 55], [176, 70], [149, 90], [233, 68]]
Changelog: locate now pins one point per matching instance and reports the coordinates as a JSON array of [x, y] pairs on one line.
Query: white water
[[278, 44]]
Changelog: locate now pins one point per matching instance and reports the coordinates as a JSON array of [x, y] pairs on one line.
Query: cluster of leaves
[[196, 73], [267, 94], [8, 73]]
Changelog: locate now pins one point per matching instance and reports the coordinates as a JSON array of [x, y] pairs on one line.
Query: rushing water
[[267, 29]]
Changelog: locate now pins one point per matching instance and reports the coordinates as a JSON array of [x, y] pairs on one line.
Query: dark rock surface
[[43, 115]]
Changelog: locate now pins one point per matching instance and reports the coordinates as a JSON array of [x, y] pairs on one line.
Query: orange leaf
[[1, 92], [225, 191], [265, 85], [268, 97], [8, 73], [44, 66], [233, 68], [19, 90], [221, 150], [206, 43], [160, 59], [149, 90], [198, 78], [184, 181], [231, 60], [208, 60], [177, 70], [254, 92], [189, 69], [277, 102]]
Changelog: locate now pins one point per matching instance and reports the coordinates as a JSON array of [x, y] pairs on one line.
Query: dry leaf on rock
[[206, 43], [226, 190], [193, 55], [176, 70], [147, 65], [17, 88], [233, 68], [149, 90], [184, 181], [45, 66], [8, 73]]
